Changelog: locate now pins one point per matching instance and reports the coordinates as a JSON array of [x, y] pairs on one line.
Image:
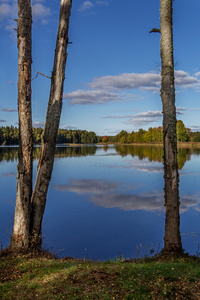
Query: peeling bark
[[20, 236], [172, 240], [46, 161], [30, 205]]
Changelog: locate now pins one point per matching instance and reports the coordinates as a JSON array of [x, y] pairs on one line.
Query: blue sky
[[113, 68]]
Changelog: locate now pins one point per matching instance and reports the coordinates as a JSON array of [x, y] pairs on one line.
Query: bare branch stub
[[40, 74], [154, 30], [34, 77]]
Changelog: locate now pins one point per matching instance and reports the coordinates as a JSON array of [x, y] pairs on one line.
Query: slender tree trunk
[[172, 223], [20, 236], [46, 161]]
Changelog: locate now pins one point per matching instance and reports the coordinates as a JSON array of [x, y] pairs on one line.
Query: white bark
[[20, 236], [172, 222], [46, 161], [30, 206]]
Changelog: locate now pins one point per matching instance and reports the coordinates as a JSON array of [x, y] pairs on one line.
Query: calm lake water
[[104, 202]]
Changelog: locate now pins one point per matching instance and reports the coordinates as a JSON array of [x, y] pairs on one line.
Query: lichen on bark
[[20, 236], [172, 240], [30, 205]]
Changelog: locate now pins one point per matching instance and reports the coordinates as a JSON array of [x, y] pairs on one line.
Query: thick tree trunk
[[46, 161], [172, 223], [20, 236]]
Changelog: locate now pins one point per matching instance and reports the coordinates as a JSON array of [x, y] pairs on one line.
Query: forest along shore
[[10, 136]]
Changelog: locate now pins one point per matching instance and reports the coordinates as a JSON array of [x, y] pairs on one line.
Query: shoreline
[[179, 144]]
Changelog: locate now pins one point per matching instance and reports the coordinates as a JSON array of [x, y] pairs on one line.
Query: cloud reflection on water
[[144, 166], [9, 174], [110, 195], [88, 186]]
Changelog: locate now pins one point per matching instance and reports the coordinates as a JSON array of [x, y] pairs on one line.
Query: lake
[[106, 201]]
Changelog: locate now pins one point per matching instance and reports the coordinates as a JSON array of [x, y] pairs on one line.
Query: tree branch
[[154, 30], [40, 74]]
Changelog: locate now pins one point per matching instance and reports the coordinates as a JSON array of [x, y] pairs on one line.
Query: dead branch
[[40, 74], [34, 77], [154, 30]]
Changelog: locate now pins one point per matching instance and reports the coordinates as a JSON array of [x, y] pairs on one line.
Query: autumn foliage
[[105, 139]]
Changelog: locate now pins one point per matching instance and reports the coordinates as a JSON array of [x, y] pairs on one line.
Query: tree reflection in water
[[153, 153], [106, 195]]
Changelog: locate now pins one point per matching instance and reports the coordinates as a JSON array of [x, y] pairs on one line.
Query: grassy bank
[[42, 277]]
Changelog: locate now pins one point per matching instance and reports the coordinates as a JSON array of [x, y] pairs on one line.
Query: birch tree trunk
[[172, 240], [45, 165], [20, 236]]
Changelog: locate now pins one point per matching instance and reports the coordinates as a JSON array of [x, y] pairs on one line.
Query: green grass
[[43, 277]]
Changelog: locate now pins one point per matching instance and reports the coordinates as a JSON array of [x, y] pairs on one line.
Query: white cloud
[[10, 25], [140, 119], [6, 10], [179, 109], [89, 5], [40, 12], [38, 124], [104, 3], [86, 5], [9, 109], [151, 114], [154, 90], [139, 122], [91, 97], [194, 127], [184, 80], [126, 81], [69, 127], [111, 88], [149, 81]]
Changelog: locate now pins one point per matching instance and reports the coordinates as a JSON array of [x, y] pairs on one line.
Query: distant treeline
[[153, 135], [9, 135]]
